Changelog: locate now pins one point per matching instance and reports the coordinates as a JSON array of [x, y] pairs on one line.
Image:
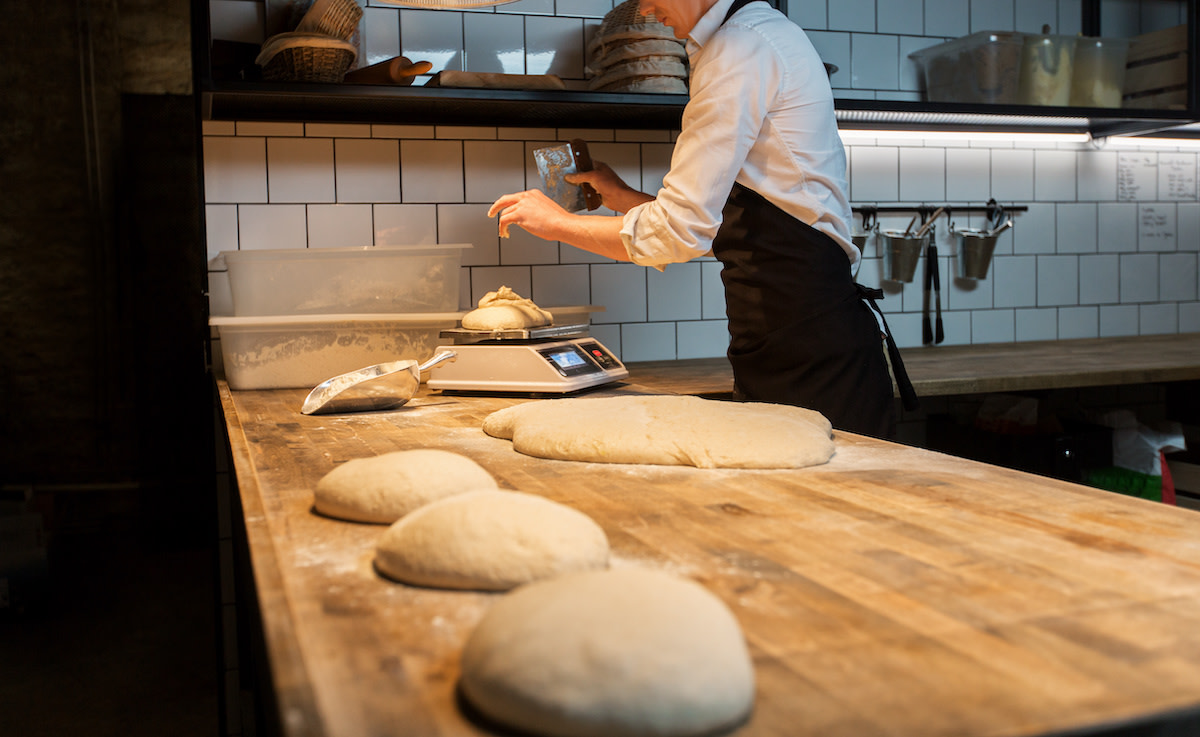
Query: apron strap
[[737, 5], [908, 395]]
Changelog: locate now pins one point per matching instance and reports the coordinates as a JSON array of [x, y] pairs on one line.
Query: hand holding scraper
[[554, 163]]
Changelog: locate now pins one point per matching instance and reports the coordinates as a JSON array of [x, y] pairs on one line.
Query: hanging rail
[[992, 209]]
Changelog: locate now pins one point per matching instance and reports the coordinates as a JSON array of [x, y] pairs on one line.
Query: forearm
[[625, 200], [598, 234], [533, 211]]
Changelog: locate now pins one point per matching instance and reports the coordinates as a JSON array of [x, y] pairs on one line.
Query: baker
[[757, 179]]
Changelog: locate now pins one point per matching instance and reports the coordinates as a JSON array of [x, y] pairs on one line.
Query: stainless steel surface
[[382, 386], [466, 336]]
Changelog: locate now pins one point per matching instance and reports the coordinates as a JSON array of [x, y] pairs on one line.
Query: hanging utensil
[[929, 223], [1007, 224], [382, 386], [927, 301], [939, 331]]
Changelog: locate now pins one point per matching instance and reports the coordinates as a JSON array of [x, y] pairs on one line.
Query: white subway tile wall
[[1093, 255]]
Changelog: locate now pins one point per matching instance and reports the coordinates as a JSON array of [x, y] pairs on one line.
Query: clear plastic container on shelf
[[368, 279], [1098, 78], [983, 67], [1046, 68]]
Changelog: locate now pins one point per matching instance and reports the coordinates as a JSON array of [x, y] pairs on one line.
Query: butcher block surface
[[939, 370], [892, 591]]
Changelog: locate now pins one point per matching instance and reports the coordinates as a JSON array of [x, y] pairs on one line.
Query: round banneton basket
[[624, 26], [337, 18], [305, 57], [625, 14]]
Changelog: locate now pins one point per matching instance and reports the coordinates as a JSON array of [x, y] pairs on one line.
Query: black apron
[[801, 331]]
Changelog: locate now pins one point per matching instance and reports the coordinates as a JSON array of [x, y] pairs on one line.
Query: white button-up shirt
[[761, 114]]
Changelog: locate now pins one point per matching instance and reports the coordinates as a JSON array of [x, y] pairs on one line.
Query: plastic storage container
[[1099, 75], [326, 281], [983, 67], [1046, 64], [301, 351]]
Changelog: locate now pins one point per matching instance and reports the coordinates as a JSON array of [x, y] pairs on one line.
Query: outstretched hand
[[531, 210]]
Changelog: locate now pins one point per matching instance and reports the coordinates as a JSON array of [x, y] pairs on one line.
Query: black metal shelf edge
[[582, 109], [441, 106]]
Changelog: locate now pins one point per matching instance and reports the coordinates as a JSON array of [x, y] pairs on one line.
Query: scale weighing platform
[[557, 359]]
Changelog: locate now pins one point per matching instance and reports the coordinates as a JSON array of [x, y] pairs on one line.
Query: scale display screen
[[569, 360]]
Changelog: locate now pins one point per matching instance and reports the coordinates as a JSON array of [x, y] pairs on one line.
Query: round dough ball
[[504, 309], [609, 654], [384, 488], [505, 317], [490, 540]]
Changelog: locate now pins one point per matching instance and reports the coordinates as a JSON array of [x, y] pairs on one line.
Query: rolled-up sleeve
[[721, 123], [650, 240]]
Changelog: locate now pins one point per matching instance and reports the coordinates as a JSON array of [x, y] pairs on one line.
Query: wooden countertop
[[892, 591], [996, 367]]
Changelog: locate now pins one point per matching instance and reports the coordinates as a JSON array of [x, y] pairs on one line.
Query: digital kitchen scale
[[557, 359]]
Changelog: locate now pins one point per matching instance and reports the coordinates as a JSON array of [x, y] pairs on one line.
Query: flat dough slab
[[490, 541], [384, 488], [611, 653], [504, 309], [666, 430]]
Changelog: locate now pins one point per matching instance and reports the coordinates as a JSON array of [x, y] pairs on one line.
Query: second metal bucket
[[974, 253], [901, 253]]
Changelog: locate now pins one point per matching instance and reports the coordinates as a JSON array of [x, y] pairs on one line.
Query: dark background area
[[107, 512]]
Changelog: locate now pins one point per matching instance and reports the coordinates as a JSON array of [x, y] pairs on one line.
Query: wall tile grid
[[1109, 244]]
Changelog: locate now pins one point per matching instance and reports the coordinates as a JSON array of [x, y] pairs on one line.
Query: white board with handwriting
[[1177, 177], [1137, 177], [1156, 227]]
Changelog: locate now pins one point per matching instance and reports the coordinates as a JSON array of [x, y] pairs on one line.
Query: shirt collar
[[709, 23]]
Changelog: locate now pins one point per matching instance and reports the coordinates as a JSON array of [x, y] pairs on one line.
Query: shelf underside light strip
[[866, 119]]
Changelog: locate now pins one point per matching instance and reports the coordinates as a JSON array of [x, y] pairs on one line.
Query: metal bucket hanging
[[901, 252], [974, 254]]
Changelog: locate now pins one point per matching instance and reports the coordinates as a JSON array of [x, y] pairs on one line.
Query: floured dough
[[490, 540], [666, 430], [504, 309], [610, 654], [384, 488]]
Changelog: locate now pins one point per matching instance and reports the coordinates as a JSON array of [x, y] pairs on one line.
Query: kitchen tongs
[[932, 332]]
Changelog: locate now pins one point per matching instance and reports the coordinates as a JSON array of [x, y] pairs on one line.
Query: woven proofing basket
[[302, 57], [337, 18]]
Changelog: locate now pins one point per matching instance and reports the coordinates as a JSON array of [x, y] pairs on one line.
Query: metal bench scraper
[[554, 163]]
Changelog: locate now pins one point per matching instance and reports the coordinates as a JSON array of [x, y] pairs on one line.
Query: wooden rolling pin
[[398, 70]]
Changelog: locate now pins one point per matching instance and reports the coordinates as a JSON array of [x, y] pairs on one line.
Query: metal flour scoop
[[382, 386]]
